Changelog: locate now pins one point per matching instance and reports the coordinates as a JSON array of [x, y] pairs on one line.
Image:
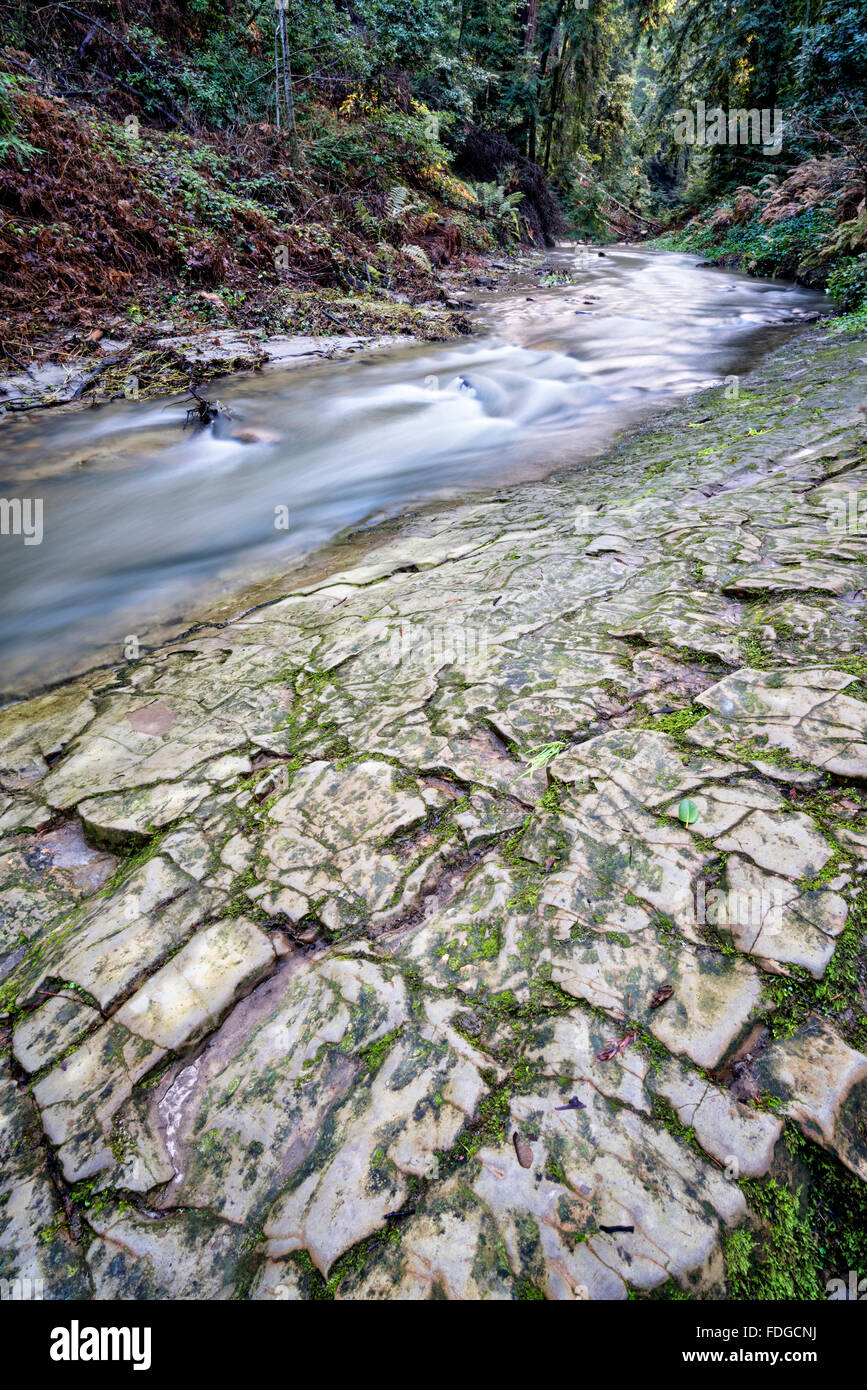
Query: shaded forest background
[[278, 154]]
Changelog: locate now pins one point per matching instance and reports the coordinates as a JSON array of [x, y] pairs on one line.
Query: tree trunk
[[530, 24], [287, 90], [554, 97]]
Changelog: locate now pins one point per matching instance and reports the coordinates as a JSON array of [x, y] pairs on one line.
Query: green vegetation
[[12, 146], [781, 1262], [811, 1227], [394, 140]]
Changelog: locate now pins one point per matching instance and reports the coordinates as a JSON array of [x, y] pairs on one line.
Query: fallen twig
[[91, 377], [17, 360]]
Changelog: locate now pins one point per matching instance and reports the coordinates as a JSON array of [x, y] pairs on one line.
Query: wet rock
[[776, 920], [416, 1105], [128, 819], [788, 844], [486, 817], [741, 1139], [822, 1084], [35, 1242], [499, 1222], [179, 1004], [34, 731], [42, 877], [187, 997], [116, 944], [191, 1255], [43, 1035], [324, 836], [805, 714]]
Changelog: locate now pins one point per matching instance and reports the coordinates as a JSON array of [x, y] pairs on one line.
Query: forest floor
[[158, 356], [486, 920]]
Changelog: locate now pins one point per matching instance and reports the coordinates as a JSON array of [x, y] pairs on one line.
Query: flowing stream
[[143, 520]]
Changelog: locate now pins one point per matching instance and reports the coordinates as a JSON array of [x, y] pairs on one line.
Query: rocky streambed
[[484, 921]]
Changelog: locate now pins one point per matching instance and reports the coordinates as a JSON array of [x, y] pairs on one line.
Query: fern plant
[[498, 208], [400, 204], [418, 257], [11, 144], [849, 236]]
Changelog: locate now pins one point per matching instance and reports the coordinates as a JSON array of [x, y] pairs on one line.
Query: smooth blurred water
[[143, 517]]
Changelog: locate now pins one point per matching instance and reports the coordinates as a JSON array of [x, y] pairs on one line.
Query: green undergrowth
[[791, 247], [811, 1227], [675, 723], [780, 1260]]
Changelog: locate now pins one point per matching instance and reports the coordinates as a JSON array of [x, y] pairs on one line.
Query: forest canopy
[[576, 85]]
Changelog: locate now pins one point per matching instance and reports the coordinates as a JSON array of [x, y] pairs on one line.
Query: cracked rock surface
[[473, 921]]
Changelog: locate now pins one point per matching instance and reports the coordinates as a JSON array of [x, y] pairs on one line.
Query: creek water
[[144, 520]]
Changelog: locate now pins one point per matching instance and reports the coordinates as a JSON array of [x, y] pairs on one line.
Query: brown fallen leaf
[[659, 998], [523, 1150], [616, 1049]]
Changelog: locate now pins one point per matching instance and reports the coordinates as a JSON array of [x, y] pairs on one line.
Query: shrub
[[11, 143], [847, 284], [499, 209]]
